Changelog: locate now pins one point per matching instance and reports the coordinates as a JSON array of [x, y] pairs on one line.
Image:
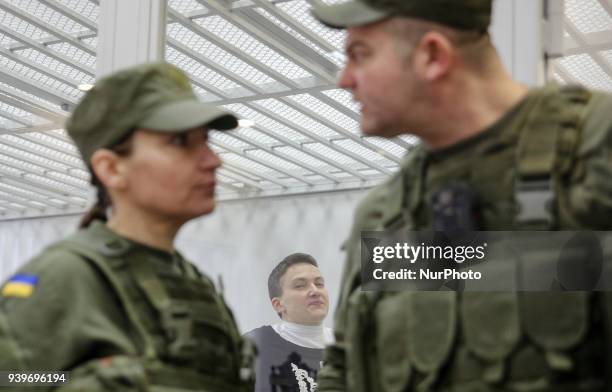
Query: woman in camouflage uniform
[[115, 304]]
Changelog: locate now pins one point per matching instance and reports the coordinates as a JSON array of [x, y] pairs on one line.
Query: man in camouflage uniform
[[533, 159]]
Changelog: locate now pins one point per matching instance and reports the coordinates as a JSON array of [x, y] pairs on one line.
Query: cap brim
[[349, 14], [183, 115]]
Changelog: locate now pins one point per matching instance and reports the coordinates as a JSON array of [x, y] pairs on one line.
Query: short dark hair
[[274, 286], [475, 45]]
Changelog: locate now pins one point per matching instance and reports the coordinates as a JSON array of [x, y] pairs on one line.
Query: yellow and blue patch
[[20, 285]]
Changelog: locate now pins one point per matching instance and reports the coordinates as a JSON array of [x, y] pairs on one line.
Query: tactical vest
[[499, 341], [187, 336]]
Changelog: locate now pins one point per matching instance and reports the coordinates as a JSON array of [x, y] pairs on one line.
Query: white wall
[[517, 32], [241, 241], [20, 240]]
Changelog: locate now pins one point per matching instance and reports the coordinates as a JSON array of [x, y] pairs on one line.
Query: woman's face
[[170, 175]]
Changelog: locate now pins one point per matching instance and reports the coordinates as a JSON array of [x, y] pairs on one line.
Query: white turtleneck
[[311, 336]]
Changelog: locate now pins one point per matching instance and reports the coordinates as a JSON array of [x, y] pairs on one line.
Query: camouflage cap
[[154, 96], [459, 14]]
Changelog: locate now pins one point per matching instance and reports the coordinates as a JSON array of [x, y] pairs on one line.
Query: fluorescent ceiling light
[[85, 87], [246, 123]]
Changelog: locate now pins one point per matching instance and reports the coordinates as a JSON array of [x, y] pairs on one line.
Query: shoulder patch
[[20, 285]]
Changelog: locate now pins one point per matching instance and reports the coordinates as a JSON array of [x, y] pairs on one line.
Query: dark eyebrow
[[353, 45]]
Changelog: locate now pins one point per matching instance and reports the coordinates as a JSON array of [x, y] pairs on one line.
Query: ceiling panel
[[587, 44], [268, 61], [588, 16]]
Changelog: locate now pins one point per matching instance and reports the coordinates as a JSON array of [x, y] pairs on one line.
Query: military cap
[[459, 14], [153, 96]]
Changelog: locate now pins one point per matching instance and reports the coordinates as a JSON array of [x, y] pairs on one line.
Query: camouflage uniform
[[484, 341], [557, 138], [119, 315]]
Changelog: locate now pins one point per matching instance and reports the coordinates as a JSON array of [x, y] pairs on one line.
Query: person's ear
[[278, 305], [433, 57], [108, 167]]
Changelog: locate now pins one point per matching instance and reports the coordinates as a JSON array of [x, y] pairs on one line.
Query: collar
[[311, 336]]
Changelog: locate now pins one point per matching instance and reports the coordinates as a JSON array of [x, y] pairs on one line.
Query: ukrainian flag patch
[[20, 285]]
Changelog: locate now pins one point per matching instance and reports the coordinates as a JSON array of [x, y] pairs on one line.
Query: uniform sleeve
[[70, 316], [368, 216], [588, 198], [332, 377]]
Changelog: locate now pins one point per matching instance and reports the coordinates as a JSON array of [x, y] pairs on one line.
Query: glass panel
[[186, 6], [300, 11], [216, 54], [46, 14], [588, 15], [586, 71], [252, 47], [85, 8], [297, 117]]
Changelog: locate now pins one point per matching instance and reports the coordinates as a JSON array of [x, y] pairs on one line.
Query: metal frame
[[266, 168]]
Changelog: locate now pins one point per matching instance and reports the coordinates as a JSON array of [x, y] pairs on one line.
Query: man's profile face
[[304, 298], [380, 78]]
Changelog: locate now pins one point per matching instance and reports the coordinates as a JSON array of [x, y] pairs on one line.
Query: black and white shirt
[[290, 355]]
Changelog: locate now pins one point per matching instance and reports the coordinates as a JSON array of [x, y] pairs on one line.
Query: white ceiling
[[587, 45], [270, 62]]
